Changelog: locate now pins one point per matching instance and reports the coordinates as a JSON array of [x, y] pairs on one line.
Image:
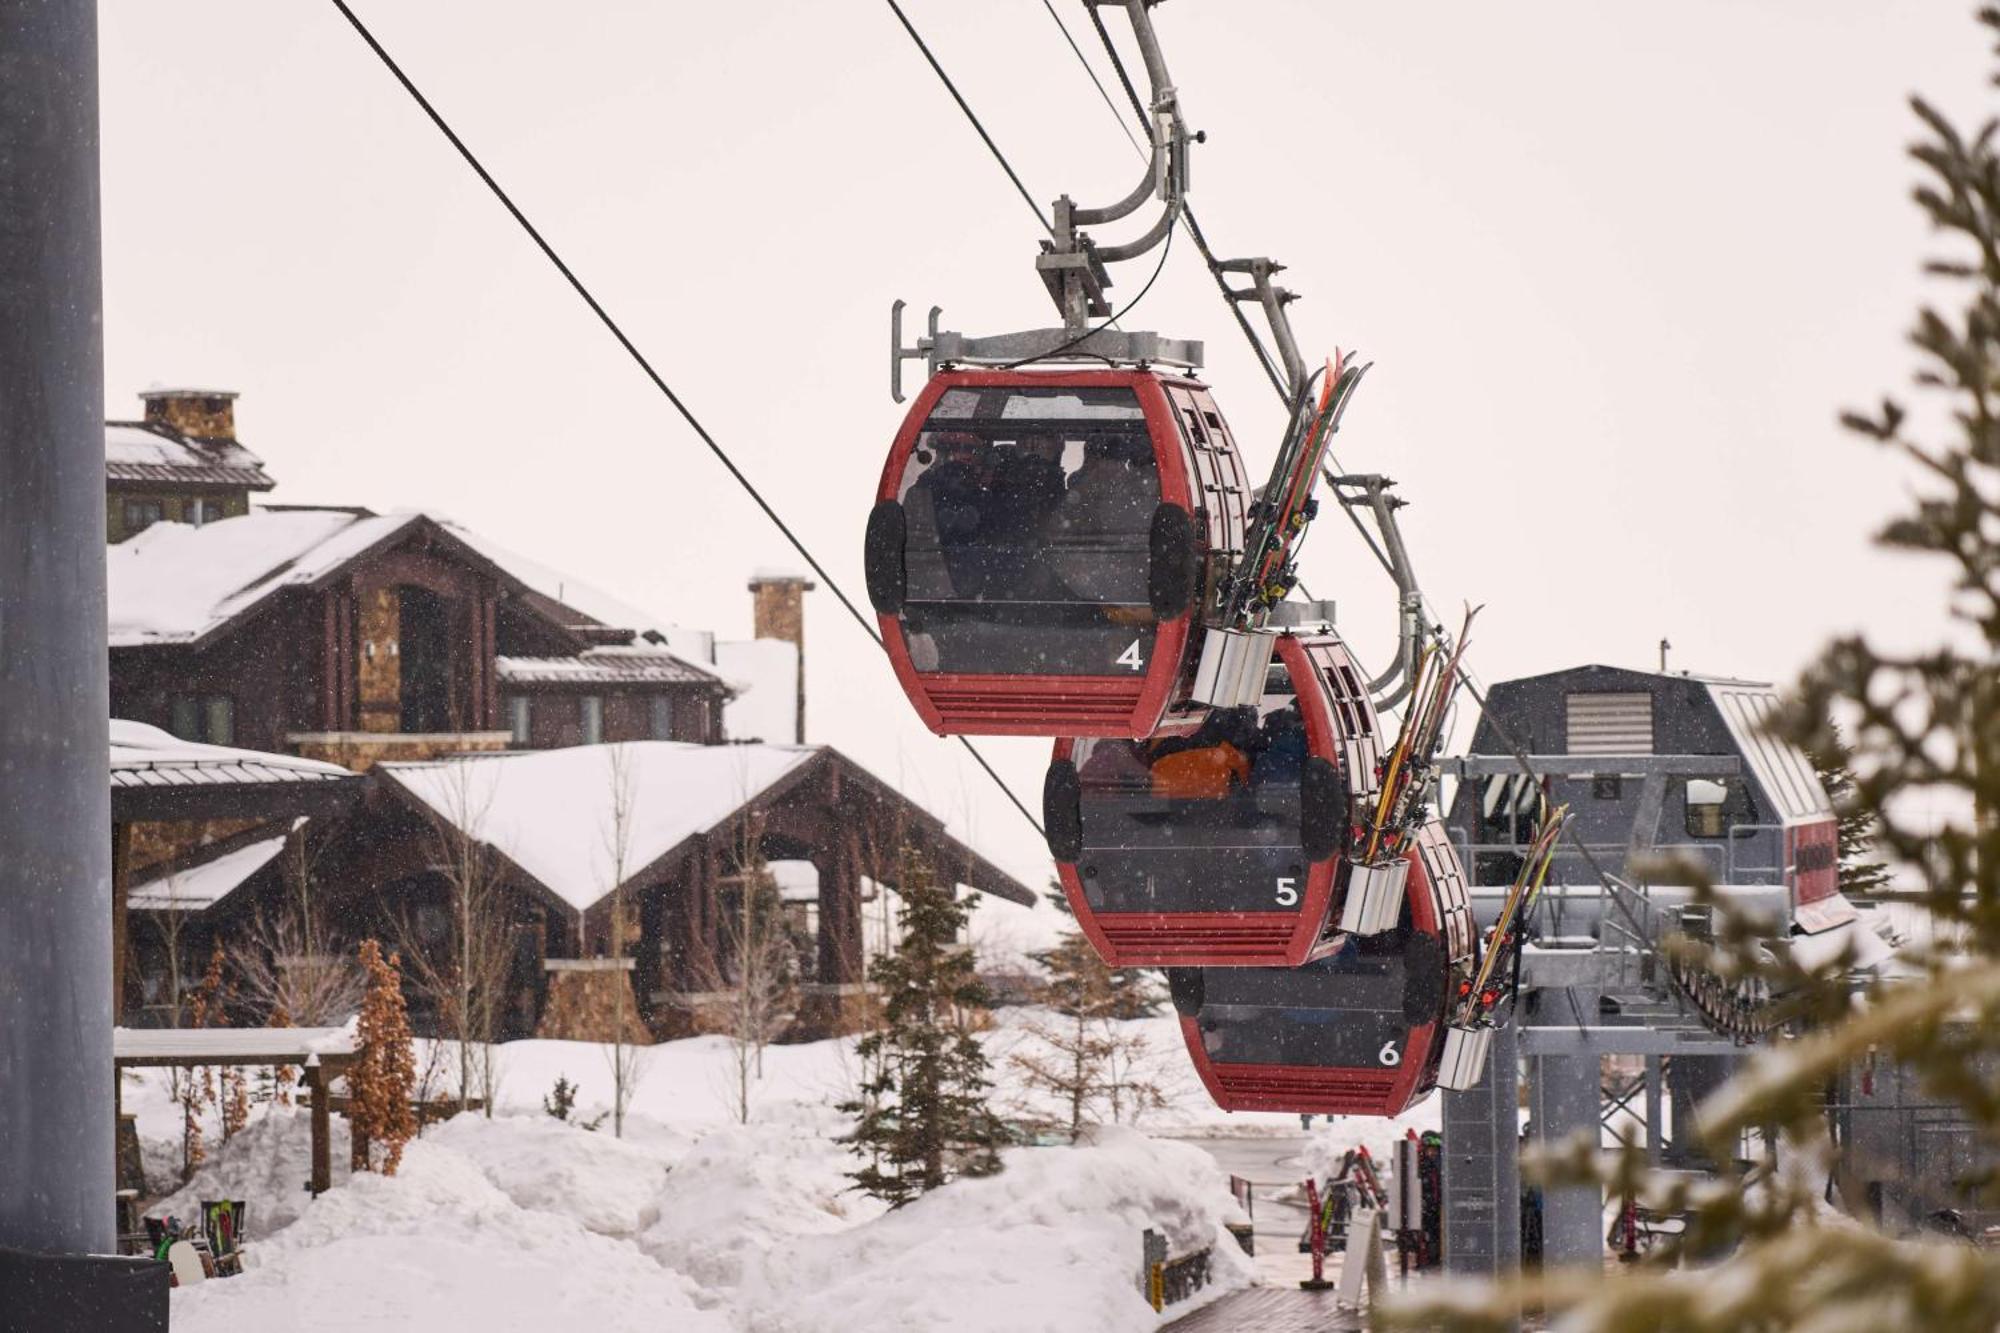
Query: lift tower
[[55, 799]]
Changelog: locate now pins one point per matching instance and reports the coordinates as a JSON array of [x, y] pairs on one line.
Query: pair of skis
[[1268, 570], [1481, 994], [1409, 769]]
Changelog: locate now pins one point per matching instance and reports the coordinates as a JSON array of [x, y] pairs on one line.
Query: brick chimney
[[779, 612], [201, 414]]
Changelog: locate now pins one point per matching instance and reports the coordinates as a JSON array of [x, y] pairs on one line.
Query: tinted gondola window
[[1344, 1011], [1204, 821], [1029, 511]]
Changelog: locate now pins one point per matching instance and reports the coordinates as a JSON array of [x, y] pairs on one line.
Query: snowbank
[[439, 1246], [695, 1222], [745, 1193], [605, 1184], [266, 1165], [1052, 1243]]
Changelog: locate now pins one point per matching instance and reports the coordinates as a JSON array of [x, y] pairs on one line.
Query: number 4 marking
[[1130, 657]]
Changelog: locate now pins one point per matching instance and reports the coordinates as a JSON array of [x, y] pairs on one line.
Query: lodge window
[[520, 716], [590, 712], [662, 711], [202, 511], [1714, 804], [210, 718], [142, 514]]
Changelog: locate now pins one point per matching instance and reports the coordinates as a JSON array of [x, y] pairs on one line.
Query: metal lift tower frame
[[56, 1133]]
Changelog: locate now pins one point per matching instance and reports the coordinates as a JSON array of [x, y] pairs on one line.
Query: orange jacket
[[1209, 773]]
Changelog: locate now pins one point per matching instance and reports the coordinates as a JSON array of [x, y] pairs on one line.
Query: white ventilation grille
[[1609, 724]]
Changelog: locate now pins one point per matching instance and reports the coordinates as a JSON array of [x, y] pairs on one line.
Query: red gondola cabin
[[1357, 1032], [1221, 842], [1042, 545]]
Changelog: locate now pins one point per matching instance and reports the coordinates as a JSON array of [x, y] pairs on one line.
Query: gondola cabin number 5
[[1288, 892]]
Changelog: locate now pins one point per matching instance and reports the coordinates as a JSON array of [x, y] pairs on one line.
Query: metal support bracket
[[942, 347], [1371, 491]]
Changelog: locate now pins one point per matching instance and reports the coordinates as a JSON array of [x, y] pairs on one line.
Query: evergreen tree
[[1136, 990], [384, 1073], [922, 1111], [1861, 877], [1084, 1058]]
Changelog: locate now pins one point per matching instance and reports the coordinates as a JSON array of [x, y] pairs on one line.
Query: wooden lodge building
[[481, 696]]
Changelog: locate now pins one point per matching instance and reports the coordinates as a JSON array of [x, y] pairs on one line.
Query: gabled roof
[[175, 584], [1745, 708], [577, 605], [179, 584], [135, 451], [549, 812], [197, 888]]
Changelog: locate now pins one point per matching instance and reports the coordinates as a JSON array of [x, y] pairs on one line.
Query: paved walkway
[[1270, 1310]]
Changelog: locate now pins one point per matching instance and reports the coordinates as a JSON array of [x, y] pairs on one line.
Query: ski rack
[[1380, 870]]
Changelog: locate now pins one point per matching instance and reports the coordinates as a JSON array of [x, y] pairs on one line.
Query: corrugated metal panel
[[1781, 768], [196, 474], [1608, 724]]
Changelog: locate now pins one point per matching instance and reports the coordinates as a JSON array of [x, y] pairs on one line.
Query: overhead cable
[[639, 358], [959, 98]]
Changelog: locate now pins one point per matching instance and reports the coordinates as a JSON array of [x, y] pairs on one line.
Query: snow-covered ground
[[695, 1221]]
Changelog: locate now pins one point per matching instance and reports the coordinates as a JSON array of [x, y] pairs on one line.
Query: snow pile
[[743, 1193], [266, 1165], [1052, 1243], [439, 1246], [607, 1185]]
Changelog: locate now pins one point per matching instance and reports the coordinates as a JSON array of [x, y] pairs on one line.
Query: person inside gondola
[[949, 499], [1023, 499], [1281, 757], [1109, 503], [1210, 763]]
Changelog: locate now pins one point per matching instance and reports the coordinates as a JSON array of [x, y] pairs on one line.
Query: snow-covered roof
[[601, 607], [143, 756], [766, 672], [550, 811], [198, 888], [134, 451], [221, 1046], [606, 664], [174, 583]]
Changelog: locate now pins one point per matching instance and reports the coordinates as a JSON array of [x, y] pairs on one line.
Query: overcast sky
[[1619, 266]]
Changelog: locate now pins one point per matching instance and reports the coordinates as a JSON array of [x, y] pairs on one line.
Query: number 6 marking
[[1288, 893], [1389, 1055], [1130, 657]]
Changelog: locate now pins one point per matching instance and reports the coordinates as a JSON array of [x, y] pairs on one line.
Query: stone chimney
[[200, 414], [779, 612]]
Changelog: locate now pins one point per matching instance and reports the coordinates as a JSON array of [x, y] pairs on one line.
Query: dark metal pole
[[56, 1172]]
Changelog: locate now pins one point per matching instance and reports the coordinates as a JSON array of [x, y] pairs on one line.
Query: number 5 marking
[[1288, 893], [1130, 657], [1389, 1055]]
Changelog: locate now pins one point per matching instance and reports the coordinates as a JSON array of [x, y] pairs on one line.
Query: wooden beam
[[322, 1131]]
